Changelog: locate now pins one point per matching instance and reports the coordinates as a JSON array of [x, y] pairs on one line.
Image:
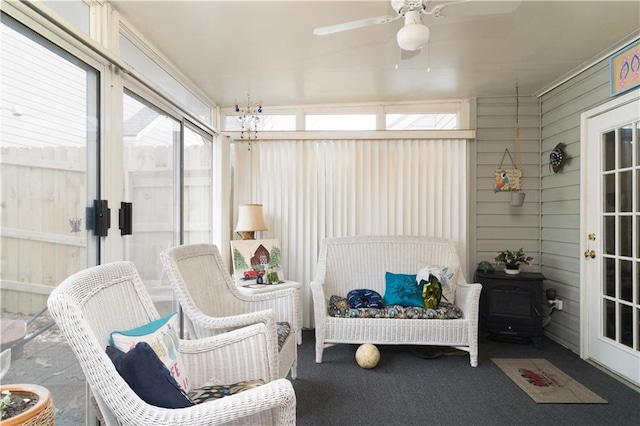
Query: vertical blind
[[312, 189]]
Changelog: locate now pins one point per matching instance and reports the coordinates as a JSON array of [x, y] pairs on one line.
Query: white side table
[[254, 288]]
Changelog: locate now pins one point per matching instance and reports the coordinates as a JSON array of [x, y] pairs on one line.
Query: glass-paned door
[[49, 143], [197, 187], [150, 146], [613, 252]]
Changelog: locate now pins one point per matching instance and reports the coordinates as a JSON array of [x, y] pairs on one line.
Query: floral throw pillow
[[162, 336], [450, 273]]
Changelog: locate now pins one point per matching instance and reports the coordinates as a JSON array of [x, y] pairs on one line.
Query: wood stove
[[511, 306]]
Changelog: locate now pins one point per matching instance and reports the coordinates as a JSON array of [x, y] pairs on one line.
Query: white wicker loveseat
[[349, 263]]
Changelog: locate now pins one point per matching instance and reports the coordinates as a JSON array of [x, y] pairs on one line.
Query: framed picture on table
[[257, 261]]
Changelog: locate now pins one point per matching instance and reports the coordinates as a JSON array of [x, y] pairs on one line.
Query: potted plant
[[26, 405], [512, 260]]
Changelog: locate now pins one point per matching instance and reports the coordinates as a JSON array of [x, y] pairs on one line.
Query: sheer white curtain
[[313, 189]]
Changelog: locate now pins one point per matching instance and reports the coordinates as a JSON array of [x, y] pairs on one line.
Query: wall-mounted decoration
[[625, 69], [507, 179], [557, 158], [511, 179], [257, 260]]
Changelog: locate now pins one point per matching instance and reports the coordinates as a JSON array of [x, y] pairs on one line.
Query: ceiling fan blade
[[346, 26], [470, 8]]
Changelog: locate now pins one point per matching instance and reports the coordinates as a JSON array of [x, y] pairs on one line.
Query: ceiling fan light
[[413, 37]]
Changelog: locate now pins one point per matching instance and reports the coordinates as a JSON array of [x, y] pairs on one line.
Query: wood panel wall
[[498, 225], [560, 195]]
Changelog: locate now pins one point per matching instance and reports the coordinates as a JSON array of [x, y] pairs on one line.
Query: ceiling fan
[[414, 35]]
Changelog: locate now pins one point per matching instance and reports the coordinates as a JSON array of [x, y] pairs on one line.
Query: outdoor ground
[[47, 360]]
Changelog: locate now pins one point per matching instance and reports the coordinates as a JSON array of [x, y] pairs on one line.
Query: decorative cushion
[[148, 377], [364, 298], [451, 273], [283, 329], [206, 393], [162, 336], [445, 310], [431, 293], [401, 289], [338, 306]]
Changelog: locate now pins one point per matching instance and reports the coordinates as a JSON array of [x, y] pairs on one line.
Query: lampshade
[[414, 35], [250, 219]]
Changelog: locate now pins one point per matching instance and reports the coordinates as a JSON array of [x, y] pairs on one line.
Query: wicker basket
[[41, 414]]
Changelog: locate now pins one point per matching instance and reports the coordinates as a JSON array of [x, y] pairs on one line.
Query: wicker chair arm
[[468, 298], [285, 303], [319, 299], [244, 354], [246, 407], [277, 395], [265, 316]]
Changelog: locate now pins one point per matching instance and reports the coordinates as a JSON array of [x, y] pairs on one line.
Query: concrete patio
[[47, 360]]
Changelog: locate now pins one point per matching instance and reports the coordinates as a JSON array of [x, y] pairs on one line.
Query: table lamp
[[250, 220]]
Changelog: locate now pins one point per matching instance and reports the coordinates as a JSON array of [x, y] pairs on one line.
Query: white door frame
[[584, 177]]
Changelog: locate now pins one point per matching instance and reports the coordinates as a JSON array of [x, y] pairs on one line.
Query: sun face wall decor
[[557, 158]]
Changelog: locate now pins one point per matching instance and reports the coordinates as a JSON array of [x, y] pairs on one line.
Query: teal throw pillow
[[402, 289]]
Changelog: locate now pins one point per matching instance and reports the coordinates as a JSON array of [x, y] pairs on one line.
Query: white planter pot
[[511, 271], [517, 199]]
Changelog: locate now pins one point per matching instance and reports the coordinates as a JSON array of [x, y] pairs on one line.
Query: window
[[150, 139], [266, 122], [340, 122], [49, 140], [147, 67], [75, 11], [421, 121], [197, 188], [440, 115]]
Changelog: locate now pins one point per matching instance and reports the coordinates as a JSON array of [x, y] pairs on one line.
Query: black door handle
[[125, 214], [99, 218]]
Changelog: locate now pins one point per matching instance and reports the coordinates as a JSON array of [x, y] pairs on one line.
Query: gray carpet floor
[[405, 389]]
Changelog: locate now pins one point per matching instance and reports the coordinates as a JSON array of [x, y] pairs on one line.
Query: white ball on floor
[[367, 356]]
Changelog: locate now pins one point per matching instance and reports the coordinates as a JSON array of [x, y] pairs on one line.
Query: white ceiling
[[267, 48]]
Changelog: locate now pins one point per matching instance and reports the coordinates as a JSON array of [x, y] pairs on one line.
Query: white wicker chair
[[213, 304], [90, 304]]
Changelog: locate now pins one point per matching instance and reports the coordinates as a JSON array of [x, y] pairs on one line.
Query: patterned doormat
[[545, 383]]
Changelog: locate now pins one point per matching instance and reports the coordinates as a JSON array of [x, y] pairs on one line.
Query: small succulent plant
[[4, 401]]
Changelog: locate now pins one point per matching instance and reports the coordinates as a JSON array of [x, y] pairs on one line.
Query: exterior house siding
[[560, 194], [498, 225]]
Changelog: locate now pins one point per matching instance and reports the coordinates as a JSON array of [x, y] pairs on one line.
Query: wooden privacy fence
[[42, 221]]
